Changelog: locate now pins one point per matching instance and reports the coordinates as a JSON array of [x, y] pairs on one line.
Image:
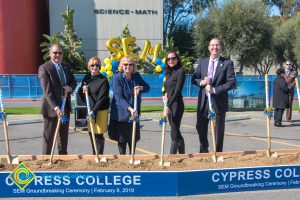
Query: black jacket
[[223, 81], [280, 93], [174, 84], [98, 92]]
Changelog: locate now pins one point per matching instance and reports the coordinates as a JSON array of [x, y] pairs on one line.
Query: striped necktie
[[211, 70], [61, 75]]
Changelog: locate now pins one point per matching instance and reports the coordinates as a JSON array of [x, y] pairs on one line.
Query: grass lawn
[[149, 109], [23, 111]]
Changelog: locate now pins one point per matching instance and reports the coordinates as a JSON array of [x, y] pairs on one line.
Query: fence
[[28, 86], [248, 94]]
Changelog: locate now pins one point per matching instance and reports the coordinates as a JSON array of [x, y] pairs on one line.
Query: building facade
[[23, 22]]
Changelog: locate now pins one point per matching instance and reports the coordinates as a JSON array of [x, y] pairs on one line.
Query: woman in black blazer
[[97, 87], [173, 84]]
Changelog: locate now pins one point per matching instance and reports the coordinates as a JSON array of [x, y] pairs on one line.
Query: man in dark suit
[[56, 80], [215, 75], [290, 76]]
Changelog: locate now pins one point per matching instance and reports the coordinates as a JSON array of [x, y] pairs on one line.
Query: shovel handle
[[6, 141], [54, 139]]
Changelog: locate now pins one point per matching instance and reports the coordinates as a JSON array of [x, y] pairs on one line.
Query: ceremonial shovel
[[163, 123], [212, 119], [268, 112], [57, 128], [135, 118], [90, 119], [10, 159], [298, 91]]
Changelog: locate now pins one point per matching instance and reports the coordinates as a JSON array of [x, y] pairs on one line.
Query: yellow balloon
[[109, 73], [108, 67], [156, 52], [127, 51], [107, 61], [158, 68], [164, 60], [102, 69], [118, 53], [147, 46]]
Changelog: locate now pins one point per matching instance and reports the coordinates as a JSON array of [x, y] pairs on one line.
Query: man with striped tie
[[214, 75], [56, 81]]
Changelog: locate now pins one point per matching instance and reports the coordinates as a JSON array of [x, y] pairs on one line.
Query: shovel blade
[[134, 162], [274, 155], [271, 155], [103, 160], [13, 160], [164, 164], [217, 158]]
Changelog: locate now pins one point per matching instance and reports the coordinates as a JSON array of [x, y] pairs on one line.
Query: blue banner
[[81, 184], [28, 86]]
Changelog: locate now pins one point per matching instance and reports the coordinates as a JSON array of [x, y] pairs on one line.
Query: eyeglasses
[[289, 64], [128, 64], [172, 58], [57, 52], [95, 65]]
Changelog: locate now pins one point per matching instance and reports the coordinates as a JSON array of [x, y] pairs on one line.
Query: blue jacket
[[123, 96]]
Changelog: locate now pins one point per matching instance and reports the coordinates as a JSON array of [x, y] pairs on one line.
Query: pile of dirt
[[247, 160]]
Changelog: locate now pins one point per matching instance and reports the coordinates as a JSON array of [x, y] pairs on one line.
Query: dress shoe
[[279, 125]]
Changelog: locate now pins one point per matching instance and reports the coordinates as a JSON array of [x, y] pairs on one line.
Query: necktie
[[211, 70], [61, 75]]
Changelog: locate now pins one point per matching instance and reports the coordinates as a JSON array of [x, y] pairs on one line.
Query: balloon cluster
[[160, 67], [110, 67], [113, 45]]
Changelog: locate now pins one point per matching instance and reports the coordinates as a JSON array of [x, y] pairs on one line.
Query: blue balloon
[[114, 64], [161, 76], [158, 61], [114, 69], [104, 74], [162, 65]]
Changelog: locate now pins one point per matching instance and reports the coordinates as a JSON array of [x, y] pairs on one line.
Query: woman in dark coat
[[98, 89], [124, 83], [280, 97], [173, 84]]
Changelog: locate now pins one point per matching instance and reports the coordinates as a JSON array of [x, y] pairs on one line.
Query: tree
[[297, 41], [133, 46], [284, 40], [176, 12], [183, 40], [243, 26], [186, 61], [285, 7], [69, 42]]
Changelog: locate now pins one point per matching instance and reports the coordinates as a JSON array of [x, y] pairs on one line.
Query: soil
[[248, 160]]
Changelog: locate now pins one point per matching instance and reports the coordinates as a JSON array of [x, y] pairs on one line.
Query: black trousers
[[174, 117], [202, 129], [99, 143], [122, 147], [289, 110], [48, 135], [278, 113]]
